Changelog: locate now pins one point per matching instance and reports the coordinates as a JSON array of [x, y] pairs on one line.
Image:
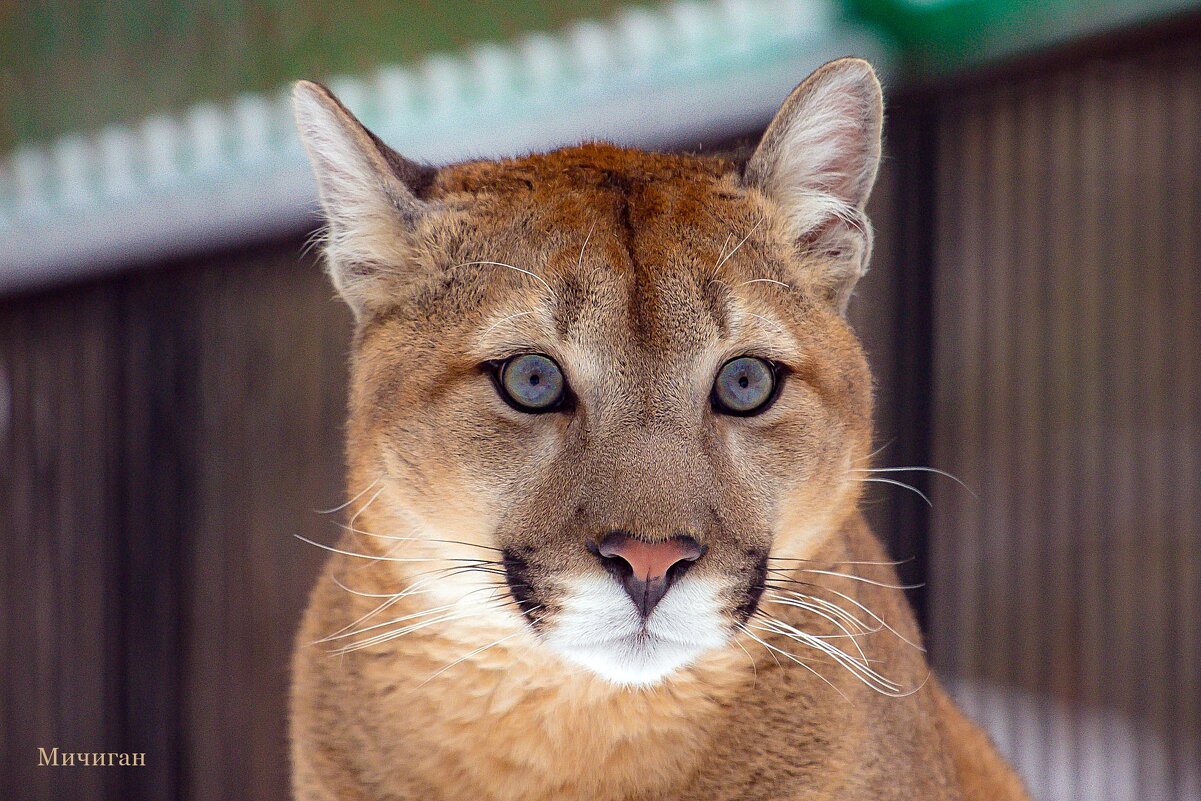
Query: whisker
[[765, 281], [392, 600], [773, 649], [915, 469], [872, 614], [868, 675], [806, 602], [859, 667], [770, 322], [771, 583], [726, 257], [535, 276], [814, 610], [721, 253], [363, 508], [343, 633], [400, 632], [340, 635], [476, 652], [896, 483], [787, 596], [504, 320], [890, 563], [360, 593], [422, 582], [877, 451], [332, 549], [418, 539], [316, 238], [361, 493], [406, 630], [412, 589], [861, 578], [751, 659], [805, 638], [580, 261]]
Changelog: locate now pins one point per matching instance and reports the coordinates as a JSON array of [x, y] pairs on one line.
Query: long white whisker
[[875, 616], [754, 667], [793, 633], [393, 597], [862, 671], [402, 631], [764, 281], [420, 539], [363, 508], [410, 589], [877, 451], [814, 610], [465, 657], [802, 601], [332, 549], [934, 470], [535, 276], [343, 633], [339, 635], [773, 649], [504, 320], [861, 578], [406, 630], [721, 254], [895, 483], [889, 563], [360, 494]]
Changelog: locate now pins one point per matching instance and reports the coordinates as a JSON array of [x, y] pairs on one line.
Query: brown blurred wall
[[1067, 376]]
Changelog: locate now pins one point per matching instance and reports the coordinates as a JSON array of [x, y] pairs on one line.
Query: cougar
[[608, 433]]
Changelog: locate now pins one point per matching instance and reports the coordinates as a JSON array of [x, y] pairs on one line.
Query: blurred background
[[172, 360]]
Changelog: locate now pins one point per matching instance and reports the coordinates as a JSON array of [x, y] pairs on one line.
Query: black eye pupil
[[534, 379], [744, 382]]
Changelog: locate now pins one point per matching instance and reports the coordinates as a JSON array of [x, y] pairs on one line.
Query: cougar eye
[[531, 382], [744, 386]]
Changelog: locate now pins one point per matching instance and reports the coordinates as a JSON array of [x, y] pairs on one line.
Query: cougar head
[[603, 384]]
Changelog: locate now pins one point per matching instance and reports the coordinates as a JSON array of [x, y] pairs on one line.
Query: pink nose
[[645, 568]]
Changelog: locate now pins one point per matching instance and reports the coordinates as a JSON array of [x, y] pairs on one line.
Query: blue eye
[[532, 382], [744, 386]]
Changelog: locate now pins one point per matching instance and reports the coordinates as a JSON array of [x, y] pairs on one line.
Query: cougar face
[[593, 391]]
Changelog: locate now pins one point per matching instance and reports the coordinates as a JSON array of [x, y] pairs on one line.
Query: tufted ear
[[817, 162], [370, 194]]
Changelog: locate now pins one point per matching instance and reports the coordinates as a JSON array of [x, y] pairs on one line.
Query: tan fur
[[640, 274]]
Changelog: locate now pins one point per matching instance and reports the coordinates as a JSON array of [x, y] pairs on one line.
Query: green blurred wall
[[946, 35], [78, 66]]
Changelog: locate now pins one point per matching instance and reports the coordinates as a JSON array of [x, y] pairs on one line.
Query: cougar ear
[[817, 162], [370, 194]]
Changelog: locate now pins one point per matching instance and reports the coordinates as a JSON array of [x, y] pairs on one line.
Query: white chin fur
[[600, 629]]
